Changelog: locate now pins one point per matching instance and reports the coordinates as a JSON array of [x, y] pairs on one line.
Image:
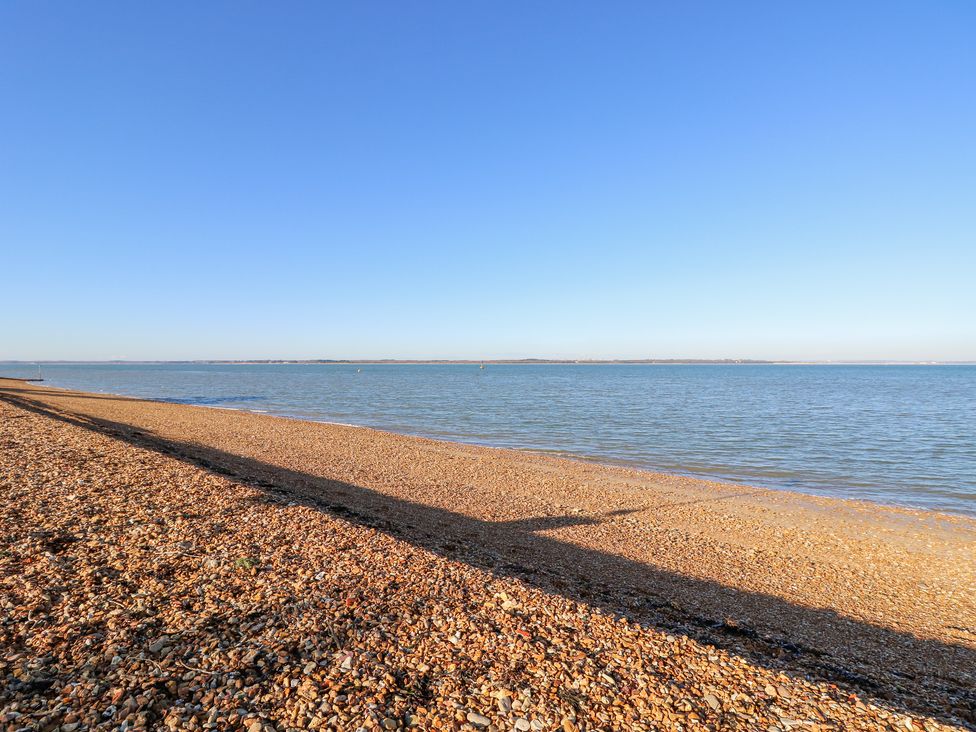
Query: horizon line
[[510, 361]]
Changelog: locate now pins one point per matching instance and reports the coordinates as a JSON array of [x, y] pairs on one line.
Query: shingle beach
[[182, 568]]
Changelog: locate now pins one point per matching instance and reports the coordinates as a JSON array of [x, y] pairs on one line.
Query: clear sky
[[487, 179]]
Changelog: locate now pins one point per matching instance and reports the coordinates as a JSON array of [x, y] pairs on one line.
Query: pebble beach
[[172, 567]]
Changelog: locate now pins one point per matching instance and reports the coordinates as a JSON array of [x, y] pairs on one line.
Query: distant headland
[[502, 361]]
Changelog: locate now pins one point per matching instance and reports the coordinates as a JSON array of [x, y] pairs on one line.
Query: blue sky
[[488, 179]]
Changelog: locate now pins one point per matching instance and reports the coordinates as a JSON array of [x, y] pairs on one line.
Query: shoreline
[[878, 603], [723, 480], [720, 483]]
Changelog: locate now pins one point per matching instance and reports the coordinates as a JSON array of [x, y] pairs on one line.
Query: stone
[[478, 720]]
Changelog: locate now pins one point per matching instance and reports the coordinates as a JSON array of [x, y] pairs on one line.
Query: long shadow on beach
[[899, 670]]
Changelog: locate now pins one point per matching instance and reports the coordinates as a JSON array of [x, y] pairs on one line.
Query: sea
[[895, 434]]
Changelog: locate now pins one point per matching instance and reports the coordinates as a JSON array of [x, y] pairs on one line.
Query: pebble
[[479, 720]]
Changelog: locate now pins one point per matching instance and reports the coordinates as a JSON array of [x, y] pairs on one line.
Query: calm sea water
[[896, 434]]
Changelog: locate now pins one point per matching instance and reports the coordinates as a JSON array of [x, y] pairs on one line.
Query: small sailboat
[[481, 366], [39, 377]]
